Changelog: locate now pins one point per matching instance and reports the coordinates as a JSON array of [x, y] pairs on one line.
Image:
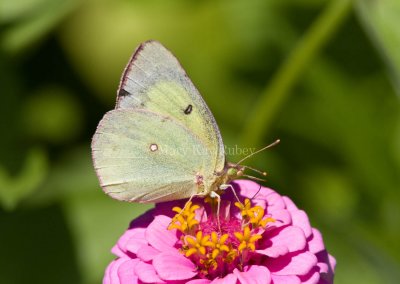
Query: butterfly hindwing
[[143, 164]]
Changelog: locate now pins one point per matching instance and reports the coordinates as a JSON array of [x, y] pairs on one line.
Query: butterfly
[[161, 142]]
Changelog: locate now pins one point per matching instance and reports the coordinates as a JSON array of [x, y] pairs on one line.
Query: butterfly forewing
[[161, 134], [155, 80]]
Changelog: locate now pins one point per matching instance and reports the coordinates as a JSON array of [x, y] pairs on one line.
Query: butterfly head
[[234, 171]]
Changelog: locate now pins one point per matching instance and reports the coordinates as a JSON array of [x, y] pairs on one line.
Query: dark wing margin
[[121, 92]]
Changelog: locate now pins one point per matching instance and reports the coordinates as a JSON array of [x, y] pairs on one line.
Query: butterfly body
[[161, 142]]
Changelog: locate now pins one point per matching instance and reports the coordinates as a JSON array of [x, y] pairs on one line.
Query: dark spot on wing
[[188, 109]]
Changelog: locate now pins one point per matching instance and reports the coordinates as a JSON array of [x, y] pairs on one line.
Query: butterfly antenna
[[258, 151], [255, 170]]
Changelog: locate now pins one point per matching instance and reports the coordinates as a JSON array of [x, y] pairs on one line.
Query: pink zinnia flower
[[264, 239]]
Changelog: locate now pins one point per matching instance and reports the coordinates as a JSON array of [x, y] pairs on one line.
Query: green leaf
[[42, 237], [33, 24], [381, 20], [56, 110], [72, 174], [337, 188], [279, 89], [17, 9], [14, 189], [96, 221]]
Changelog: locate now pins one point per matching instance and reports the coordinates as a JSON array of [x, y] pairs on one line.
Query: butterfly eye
[[232, 172]]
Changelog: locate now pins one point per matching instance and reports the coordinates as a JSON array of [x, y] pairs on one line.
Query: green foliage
[[380, 19], [30, 20], [313, 73], [58, 113], [13, 189]]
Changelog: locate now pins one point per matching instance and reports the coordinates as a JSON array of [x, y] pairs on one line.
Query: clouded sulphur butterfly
[[161, 141]]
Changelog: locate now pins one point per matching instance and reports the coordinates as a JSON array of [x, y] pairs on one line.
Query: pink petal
[[172, 265], [282, 217], [254, 275], [300, 219], [225, 209], [316, 243], [326, 264], [292, 264], [126, 271], [158, 235], [132, 240], [147, 273], [325, 278], [114, 279], [116, 250], [147, 253], [274, 251], [199, 281], [312, 277], [107, 273], [323, 267], [250, 189], [289, 203], [228, 279], [201, 215], [275, 201], [291, 237], [285, 279], [332, 262], [327, 261], [258, 200]]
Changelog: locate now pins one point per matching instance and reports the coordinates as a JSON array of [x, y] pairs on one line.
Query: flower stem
[[277, 92]]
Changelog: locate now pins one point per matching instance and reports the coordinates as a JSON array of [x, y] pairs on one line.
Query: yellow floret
[[246, 239]]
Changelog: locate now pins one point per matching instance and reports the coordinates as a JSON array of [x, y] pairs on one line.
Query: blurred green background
[[323, 76]]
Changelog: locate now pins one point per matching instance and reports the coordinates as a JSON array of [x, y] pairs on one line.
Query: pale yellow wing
[[160, 136], [155, 80]]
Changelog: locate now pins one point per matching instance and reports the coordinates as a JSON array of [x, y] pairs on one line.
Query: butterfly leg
[[225, 186], [213, 194]]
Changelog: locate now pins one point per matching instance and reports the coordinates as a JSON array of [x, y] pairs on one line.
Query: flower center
[[217, 247]]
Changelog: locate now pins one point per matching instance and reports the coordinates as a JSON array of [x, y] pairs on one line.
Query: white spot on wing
[[153, 147]]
